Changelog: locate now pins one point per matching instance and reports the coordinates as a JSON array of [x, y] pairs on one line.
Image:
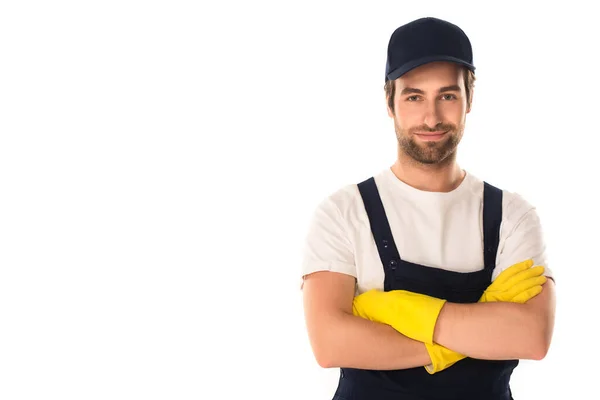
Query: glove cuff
[[441, 358]]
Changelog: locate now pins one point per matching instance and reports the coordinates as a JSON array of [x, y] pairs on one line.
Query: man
[[419, 283]]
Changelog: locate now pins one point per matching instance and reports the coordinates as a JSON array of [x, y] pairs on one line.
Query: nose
[[432, 115]]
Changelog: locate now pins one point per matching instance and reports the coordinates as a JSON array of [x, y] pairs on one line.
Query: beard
[[430, 152]]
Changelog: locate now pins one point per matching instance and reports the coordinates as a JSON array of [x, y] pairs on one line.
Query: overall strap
[[492, 217], [380, 227]]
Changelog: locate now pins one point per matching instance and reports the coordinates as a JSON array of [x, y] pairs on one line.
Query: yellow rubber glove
[[517, 284], [441, 357], [412, 314]]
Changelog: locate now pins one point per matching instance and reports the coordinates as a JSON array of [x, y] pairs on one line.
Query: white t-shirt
[[435, 229]]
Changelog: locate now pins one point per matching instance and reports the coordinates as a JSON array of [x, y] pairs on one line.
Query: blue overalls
[[468, 379]]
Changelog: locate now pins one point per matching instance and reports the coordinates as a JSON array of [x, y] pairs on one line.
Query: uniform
[[451, 245]]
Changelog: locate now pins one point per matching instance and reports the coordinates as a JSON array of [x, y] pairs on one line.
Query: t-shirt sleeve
[[326, 245], [524, 241]]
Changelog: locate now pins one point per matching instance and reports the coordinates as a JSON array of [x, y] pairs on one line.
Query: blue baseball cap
[[423, 41]]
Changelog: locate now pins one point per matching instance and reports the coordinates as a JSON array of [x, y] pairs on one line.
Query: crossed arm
[[495, 331], [499, 330], [341, 339]]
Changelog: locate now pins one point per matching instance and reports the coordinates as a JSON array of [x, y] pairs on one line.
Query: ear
[[389, 110], [387, 106], [470, 102]]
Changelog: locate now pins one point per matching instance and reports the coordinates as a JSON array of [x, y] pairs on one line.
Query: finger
[[524, 275], [526, 285], [513, 270], [527, 295]]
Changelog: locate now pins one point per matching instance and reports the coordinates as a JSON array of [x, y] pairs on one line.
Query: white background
[[160, 161]]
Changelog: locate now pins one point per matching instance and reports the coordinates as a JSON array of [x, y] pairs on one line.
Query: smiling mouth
[[431, 135], [436, 133]]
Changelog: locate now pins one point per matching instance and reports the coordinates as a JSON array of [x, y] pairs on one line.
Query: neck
[[443, 177]]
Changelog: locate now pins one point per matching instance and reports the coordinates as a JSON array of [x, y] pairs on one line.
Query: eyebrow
[[409, 90]]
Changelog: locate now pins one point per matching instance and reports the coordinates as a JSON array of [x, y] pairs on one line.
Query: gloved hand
[[517, 284], [412, 314]]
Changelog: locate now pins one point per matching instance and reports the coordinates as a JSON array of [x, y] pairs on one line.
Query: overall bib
[[468, 379]]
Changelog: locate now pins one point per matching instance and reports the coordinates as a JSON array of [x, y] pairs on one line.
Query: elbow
[[327, 347], [325, 362], [325, 357], [539, 347], [540, 332], [321, 357], [541, 311], [538, 353], [324, 350]]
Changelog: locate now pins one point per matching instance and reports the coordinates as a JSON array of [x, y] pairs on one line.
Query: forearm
[[491, 331], [353, 342]]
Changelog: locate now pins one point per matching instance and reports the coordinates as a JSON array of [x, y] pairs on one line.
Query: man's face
[[430, 108]]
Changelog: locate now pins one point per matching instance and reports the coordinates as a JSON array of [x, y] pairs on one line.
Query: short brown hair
[[390, 88]]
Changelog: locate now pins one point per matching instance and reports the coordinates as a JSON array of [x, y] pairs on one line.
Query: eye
[[448, 96], [412, 98]]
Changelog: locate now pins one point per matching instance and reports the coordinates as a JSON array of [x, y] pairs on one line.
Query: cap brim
[[398, 72]]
